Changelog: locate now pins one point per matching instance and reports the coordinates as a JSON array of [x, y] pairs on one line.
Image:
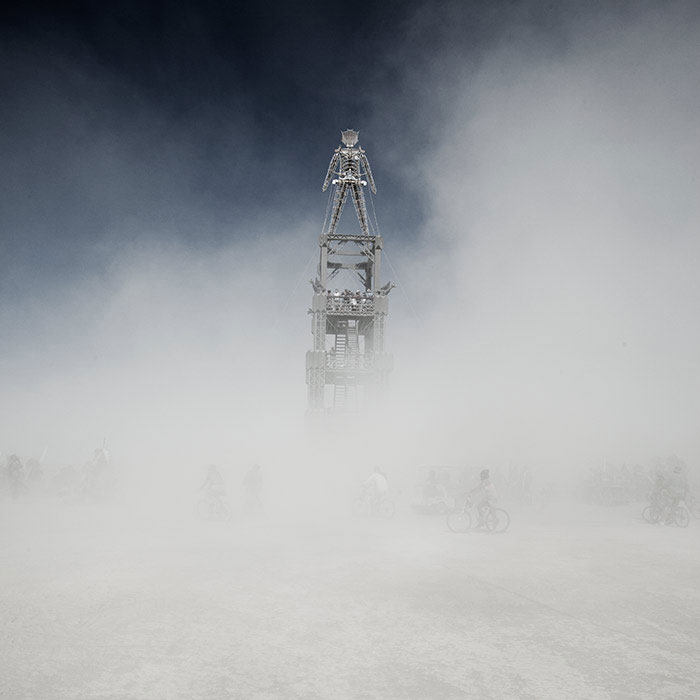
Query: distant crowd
[[356, 297], [615, 484], [97, 480], [94, 480], [666, 485]]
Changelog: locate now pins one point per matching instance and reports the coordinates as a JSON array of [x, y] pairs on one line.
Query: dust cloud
[[554, 291], [544, 326]]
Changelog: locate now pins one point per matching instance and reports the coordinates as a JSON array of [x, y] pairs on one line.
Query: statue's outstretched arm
[[368, 171], [329, 174]]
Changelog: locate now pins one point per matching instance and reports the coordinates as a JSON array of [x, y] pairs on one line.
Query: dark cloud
[[174, 114]]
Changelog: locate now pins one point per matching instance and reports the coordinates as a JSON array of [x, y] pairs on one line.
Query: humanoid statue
[[349, 165]]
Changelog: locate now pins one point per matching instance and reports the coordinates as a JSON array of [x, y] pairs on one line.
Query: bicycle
[[668, 514], [365, 505], [213, 507], [496, 520]]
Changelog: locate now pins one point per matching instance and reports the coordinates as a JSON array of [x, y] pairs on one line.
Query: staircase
[[345, 398], [353, 347], [347, 357], [339, 396], [341, 351]]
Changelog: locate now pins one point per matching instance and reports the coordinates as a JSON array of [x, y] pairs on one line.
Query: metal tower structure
[[348, 362]]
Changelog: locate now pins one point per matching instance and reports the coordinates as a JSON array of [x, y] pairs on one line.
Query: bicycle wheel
[[651, 514], [386, 508], [497, 520], [459, 521], [681, 517]]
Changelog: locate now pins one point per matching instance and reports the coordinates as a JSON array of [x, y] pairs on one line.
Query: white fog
[[544, 327]]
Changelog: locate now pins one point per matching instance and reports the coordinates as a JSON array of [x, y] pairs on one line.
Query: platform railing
[[350, 305]]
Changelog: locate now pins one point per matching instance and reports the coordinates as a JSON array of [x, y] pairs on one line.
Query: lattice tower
[[348, 362]]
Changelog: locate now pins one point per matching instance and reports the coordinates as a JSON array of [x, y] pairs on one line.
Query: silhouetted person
[[485, 495], [15, 475], [252, 485]]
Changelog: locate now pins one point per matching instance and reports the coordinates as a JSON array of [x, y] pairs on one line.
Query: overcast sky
[[537, 173]]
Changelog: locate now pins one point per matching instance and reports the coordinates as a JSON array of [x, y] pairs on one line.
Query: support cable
[[393, 269], [294, 290], [416, 316]]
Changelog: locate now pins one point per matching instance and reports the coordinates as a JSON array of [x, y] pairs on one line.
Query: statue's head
[[349, 137]]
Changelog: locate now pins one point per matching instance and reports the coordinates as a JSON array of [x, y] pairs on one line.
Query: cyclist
[[15, 475], [485, 495], [660, 495], [677, 488], [375, 487], [213, 485]]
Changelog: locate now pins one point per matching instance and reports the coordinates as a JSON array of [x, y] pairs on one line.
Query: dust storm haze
[[160, 208], [561, 248]]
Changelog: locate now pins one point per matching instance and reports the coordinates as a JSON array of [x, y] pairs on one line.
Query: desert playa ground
[[572, 602]]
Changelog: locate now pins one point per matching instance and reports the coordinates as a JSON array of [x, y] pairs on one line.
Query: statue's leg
[[358, 198], [338, 203]]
